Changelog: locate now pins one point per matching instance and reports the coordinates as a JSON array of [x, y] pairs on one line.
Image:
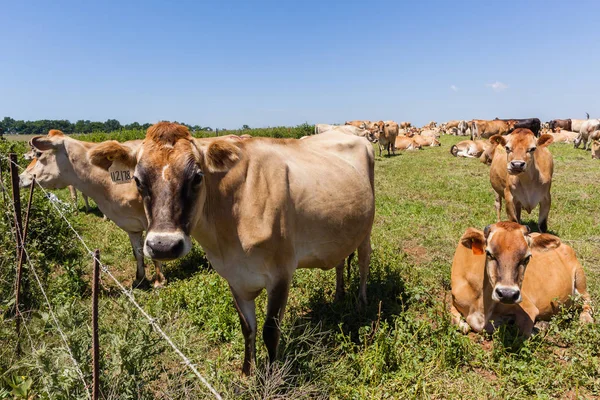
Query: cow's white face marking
[[164, 170]]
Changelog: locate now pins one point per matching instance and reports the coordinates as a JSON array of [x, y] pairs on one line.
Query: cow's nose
[[165, 246], [508, 295], [517, 164]]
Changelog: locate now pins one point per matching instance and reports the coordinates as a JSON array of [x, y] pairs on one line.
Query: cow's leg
[[246, 309], [544, 211], [277, 299], [518, 209], [339, 281], [380, 146], [581, 290], [86, 200], [393, 145], [159, 279], [73, 193], [458, 320], [498, 205], [364, 259], [577, 140], [510, 206], [137, 244], [525, 318], [349, 263]]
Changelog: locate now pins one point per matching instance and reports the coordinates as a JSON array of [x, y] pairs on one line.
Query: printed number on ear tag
[[120, 173]]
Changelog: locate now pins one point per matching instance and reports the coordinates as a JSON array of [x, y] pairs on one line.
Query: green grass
[[400, 346]]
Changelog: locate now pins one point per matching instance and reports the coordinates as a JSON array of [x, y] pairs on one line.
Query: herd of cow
[[262, 207]]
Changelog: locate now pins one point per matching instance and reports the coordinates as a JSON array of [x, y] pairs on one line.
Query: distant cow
[[563, 136], [506, 272], [585, 131], [576, 124], [463, 127], [405, 125], [521, 173], [561, 123], [471, 149], [426, 141], [406, 143], [357, 123], [533, 124], [385, 133], [596, 149], [481, 128]]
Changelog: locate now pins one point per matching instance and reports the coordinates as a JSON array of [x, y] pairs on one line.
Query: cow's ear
[[498, 140], [544, 242], [221, 156], [43, 143], [545, 140], [474, 240], [104, 154]]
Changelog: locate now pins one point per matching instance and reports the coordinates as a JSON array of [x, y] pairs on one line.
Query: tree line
[[41, 127]]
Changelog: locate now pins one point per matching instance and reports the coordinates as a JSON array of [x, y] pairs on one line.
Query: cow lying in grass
[[505, 272]]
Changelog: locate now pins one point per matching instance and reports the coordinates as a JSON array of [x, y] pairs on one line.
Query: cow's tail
[[454, 150], [588, 115]]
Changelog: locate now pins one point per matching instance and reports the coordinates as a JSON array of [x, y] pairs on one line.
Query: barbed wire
[[129, 296], [58, 328]]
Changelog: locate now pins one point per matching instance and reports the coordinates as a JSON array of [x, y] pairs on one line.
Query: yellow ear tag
[[120, 173]]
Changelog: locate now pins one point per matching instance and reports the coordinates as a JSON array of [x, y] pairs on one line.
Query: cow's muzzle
[[165, 246], [506, 295], [516, 167]]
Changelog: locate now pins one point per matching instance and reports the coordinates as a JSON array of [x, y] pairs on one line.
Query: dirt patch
[[416, 252]]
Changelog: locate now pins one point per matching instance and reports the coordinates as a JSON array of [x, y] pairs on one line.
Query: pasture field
[[399, 346]]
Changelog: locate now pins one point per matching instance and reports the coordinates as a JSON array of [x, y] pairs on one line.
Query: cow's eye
[[507, 149], [489, 255], [197, 179], [531, 150], [526, 260], [138, 183]]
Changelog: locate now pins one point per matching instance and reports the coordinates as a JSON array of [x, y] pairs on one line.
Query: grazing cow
[[63, 161], [485, 129], [521, 173], [386, 134], [34, 154], [506, 272], [406, 143], [576, 124], [405, 125], [260, 208], [426, 141], [560, 123], [470, 149], [585, 131]]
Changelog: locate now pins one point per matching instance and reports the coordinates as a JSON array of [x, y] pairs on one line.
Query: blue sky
[[227, 63]]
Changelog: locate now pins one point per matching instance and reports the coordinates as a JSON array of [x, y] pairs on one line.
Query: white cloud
[[453, 87], [497, 86]]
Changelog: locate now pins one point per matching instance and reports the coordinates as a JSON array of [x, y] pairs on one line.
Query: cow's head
[[508, 248], [171, 169], [520, 148], [49, 161], [377, 129], [510, 125]]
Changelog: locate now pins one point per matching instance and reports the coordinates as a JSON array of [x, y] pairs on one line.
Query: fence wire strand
[[127, 293]]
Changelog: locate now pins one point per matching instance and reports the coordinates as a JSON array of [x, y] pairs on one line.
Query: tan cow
[[386, 134], [357, 123], [63, 161], [485, 129], [586, 129], [521, 173], [260, 208], [34, 154], [596, 149], [506, 272], [433, 133], [405, 125], [576, 124], [406, 143], [426, 141], [463, 128], [348, 130], [472, 149], [562, 136]]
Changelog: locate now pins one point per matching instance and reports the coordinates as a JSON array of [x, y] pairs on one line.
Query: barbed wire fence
[[104, 270]]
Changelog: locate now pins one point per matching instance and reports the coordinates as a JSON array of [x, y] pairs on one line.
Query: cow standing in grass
[[260, 208]]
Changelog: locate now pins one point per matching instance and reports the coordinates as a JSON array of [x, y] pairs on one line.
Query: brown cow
[[521, 173], [385, 133], [406, 143], [507, 272], [260, 208], [485, 129], [560, 123], [405, 125]]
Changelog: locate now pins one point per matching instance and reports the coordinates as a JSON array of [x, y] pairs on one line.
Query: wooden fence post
[[95, 344]]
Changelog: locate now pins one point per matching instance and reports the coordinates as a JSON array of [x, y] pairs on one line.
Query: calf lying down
[[506, 272]]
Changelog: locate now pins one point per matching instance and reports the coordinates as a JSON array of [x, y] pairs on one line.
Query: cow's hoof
[[586, 318], [159, 284]]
